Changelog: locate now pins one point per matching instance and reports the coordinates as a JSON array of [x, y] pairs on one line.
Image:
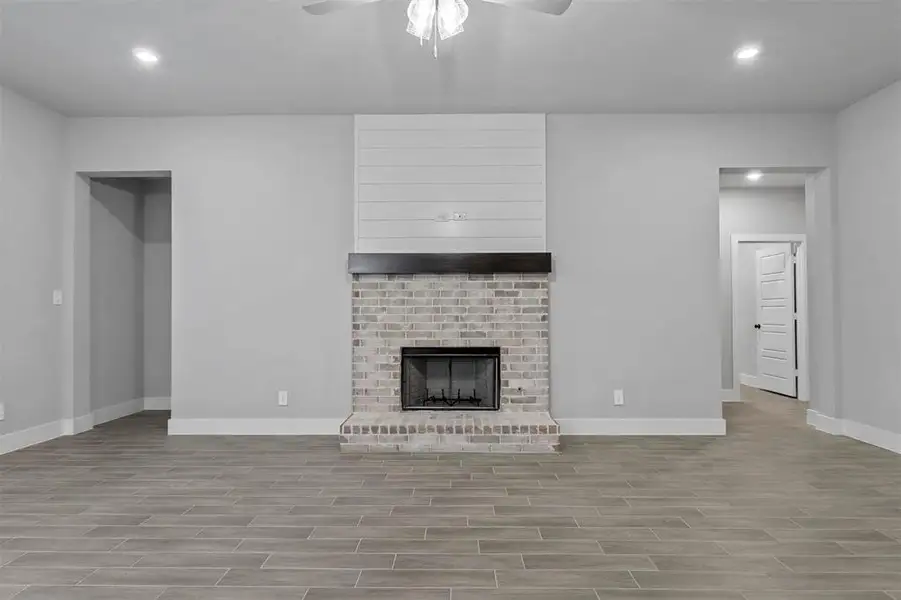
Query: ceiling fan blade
[[328, 6], [551, 7]]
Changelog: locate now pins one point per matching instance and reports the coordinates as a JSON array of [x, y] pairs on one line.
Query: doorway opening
[[129, 286], [763, 268]]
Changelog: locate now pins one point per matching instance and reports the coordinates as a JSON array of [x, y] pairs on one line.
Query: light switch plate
[[2, 411], [283, 398], [57, 297], [618, 398]]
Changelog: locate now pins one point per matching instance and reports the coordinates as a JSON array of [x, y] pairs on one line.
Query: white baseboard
[[117, 411], [749, 380], [158, 403], [10, 442], [733, 395], [824, 423], [255, 426], [78, 424], [881, 438], [642, 426]]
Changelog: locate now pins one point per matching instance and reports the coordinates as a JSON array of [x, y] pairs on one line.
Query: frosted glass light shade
[[451, 14], [421, 14], [447, 16]]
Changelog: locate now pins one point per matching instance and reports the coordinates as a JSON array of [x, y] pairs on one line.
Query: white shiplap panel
[[413, 172], [432, 192], [451, 122], [474, 211], [451, 175], [451, 245], [380, 157], [425, 138], [431, 228]]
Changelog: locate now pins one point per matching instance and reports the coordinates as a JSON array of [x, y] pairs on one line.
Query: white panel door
[[776, 366]]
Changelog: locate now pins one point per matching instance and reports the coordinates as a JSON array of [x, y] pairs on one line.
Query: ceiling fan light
[[421, 14], [451, 15]]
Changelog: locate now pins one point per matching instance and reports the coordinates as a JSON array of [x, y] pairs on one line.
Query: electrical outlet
[[618, 398], [283, 398]]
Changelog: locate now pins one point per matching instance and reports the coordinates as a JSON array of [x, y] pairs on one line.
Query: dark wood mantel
[[481, 263]]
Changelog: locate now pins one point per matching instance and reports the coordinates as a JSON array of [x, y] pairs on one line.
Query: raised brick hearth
[[509, 311], [447, 431]]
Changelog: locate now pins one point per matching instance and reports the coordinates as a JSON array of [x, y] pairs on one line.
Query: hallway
[[774, 510]]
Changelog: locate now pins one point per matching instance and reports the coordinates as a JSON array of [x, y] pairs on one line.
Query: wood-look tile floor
[[772, 511]]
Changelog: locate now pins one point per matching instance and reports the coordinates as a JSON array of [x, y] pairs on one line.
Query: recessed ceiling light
[[747, 54], [145, 56], [754, 176]]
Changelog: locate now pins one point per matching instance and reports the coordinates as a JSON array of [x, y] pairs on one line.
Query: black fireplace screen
[[450, 378]]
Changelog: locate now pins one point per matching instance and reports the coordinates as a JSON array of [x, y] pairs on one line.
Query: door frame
[[802, 349], [77, 414]]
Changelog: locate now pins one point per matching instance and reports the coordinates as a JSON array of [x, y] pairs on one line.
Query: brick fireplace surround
[[509, 311]]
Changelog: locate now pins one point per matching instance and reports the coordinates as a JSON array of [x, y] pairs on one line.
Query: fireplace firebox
[[450, 378]]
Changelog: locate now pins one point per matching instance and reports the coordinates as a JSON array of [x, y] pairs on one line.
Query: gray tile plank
[[291, 577], [8, 591], [843, 564], [142, 545], [523, 594], [208, 560], [376, 594], [298, 546], [155, 577], [678, 548], [607, 594], [814, 548], [834, 535], [226, 593], [563, 579], [598, 562], [394, 533], [598, 533], [872, 548], [672, 580], [482, 533], [323, 560], [61, 544], [459, 561], [718, 564], [426, 578], [44, 575], [819, 595], [541, 547], [419, 546], [255, 532], [90, 593], [93, 560]]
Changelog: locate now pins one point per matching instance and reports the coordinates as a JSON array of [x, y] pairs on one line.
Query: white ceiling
[[269, 56]]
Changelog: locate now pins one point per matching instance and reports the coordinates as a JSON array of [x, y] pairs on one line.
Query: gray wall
[[157, 288], [760, 210], [261, 298], [633, 216], [869, 247], [117, 292], [31, 152]]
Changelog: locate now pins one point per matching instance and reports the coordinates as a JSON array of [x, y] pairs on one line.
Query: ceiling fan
[[439, 19]]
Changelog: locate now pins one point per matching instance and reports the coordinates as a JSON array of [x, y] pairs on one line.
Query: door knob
[[757, 326]]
